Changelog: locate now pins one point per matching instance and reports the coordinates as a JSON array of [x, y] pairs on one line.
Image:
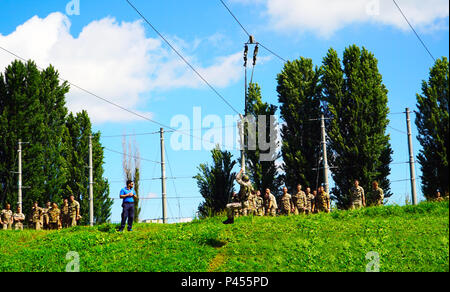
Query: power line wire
[[248, 34], [115, 104], [132, 156], [417, 35], [187, 63]]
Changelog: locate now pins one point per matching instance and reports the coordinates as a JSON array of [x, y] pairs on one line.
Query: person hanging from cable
[[244, 193]]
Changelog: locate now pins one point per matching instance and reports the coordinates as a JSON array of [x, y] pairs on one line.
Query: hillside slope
[[410, 238]]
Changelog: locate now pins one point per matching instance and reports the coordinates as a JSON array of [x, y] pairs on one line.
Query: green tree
[[356, 103], [216, 183], [32, 109], [432, 123], [262, 172], [79, 129], [299, 95], [55, 158]]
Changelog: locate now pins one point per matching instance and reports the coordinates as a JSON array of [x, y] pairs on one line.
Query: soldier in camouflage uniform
[[315, 209], [45, 217], [323, 201], [270, 204], [438, 197], [19, 218], [65, 217], [357, 197], [74, 211], [299, 200], [36, 216], [54, 217], [7, 217], [309, 201], [286, 203], [259, 204], [377, 196], [235, 199], [244, 193]]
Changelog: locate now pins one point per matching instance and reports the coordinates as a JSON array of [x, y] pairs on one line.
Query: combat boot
[[229, 221]]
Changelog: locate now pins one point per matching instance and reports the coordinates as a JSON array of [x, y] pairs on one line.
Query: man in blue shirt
[[128, 195]]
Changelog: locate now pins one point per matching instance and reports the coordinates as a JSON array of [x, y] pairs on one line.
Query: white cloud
[[325, 17], [114, 60]]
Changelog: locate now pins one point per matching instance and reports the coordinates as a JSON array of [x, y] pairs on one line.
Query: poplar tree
[[432, 122], [262, 173], [299, 95], [356, 105]]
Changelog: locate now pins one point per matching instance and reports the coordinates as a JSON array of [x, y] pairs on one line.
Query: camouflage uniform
[[300, 203], [270, 205], [357, 194], [322, 201], [53, 216], [45, 218], [18, 220], [244, 192], [74, 208], [36, 217], [259, 202], [286, 204], [309, 203], [7, 219], [378, 197], [251, 204], [65, 217]]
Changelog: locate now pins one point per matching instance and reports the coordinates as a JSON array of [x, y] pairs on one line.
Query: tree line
[[351, 94], [55, 159]]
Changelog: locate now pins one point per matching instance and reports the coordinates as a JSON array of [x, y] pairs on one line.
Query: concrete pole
[[411, 159], [20, 176], [91, 185], [324, 151], [163, 178]]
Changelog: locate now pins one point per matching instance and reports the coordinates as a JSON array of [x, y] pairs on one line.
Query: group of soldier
[[250, 202], [51, 217]]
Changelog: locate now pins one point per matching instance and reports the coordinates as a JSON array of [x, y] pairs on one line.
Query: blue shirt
[[126, 191]]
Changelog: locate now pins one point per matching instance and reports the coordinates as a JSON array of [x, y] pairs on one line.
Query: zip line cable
[[182, 58], [417, 35], [248, 34]]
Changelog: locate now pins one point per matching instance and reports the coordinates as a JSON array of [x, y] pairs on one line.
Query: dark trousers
[[127, 213]]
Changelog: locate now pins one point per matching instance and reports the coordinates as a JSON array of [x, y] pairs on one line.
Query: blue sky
[[109, 50]]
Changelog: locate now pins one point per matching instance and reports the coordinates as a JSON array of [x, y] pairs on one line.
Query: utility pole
[[411, 159], [324, 153], [163, 178], [91, 185], [20, 175]]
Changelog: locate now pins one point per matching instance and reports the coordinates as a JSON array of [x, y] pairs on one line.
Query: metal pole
[[411, 159], [163, 178], [20, 175], [91, 185], [324, 150]]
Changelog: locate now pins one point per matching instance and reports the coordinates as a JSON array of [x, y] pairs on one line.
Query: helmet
[[245, 178]]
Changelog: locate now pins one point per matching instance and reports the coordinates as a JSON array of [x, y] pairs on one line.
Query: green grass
[[410, 238]]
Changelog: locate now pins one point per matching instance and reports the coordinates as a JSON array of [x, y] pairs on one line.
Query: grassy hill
[[410, 238]]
